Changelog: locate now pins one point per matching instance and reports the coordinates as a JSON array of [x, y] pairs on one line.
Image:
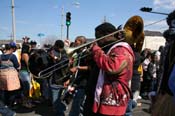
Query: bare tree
[[49, 40]]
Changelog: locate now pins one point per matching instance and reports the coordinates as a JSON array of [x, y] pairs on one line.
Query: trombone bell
[[134, 33]]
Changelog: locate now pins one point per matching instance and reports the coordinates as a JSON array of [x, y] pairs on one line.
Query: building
[[153, 40]]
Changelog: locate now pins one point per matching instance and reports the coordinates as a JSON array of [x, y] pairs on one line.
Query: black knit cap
[[59, 44], [170, 17], [104, 29]]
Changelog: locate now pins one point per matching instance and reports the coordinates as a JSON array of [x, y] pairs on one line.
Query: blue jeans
[[58, 105], [5, 111], [154, 85], [77, 101], [45, 89], [25, 79], [131, 105]]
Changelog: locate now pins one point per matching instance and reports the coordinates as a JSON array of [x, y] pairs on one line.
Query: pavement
[[46, 110], [142, 110]]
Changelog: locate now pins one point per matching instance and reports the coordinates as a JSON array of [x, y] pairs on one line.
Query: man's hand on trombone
[[74, 69], [66, 83]]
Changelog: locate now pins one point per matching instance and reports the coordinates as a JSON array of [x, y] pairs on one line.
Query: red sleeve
[[111, 62]]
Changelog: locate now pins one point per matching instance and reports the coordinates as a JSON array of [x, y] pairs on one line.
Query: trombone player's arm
[[80, 68], [114, 62]]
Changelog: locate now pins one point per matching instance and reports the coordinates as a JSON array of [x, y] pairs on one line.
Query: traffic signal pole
[[67, 35], [159, 13]]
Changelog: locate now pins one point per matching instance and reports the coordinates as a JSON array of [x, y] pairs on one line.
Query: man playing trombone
[[108, 89], [81, 74]]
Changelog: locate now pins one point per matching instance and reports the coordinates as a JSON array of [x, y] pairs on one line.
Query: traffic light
[[146, 9], [68, 18]]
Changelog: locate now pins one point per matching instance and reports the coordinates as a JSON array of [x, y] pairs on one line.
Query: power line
[[155, 22]]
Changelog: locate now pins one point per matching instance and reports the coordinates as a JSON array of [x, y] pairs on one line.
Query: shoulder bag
[[9, 78]]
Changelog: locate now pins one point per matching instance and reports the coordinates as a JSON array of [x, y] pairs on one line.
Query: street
[[45, 110], [143, 109]]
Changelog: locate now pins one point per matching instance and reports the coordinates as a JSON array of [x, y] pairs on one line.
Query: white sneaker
[[139, 97]]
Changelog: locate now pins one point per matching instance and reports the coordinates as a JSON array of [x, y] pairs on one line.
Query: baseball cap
[[12, 44]]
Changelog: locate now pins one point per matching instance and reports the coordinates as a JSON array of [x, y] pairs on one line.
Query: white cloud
[[167, 4], [76, 4]]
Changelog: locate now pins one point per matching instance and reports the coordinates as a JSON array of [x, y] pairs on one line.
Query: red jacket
[[118, 68]]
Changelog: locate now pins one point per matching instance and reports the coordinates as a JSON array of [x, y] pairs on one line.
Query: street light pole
[[13, 22], [159, 13], [62, 17]]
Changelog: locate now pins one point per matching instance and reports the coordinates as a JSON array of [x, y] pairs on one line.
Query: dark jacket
[[135, 82], [82, 76], [61, 74]]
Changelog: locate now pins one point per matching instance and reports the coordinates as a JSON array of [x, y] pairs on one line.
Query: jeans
[[154, 85], [77, 102], [45, 88], [25, 79], [58, 105], [131, 105], [5, 111]]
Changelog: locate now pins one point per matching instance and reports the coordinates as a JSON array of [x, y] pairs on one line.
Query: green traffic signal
[[68, 22], [68, 18]]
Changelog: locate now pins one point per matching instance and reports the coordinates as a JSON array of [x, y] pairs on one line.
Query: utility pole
[[13, 22], [62, 19]]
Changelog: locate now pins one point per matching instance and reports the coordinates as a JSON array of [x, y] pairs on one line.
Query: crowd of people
[[105, 78]]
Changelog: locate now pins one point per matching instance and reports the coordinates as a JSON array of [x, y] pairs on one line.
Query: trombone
[[47, 72], [70, 50], [133, 33]]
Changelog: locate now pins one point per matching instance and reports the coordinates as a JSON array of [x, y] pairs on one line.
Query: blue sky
[[44, 16]]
